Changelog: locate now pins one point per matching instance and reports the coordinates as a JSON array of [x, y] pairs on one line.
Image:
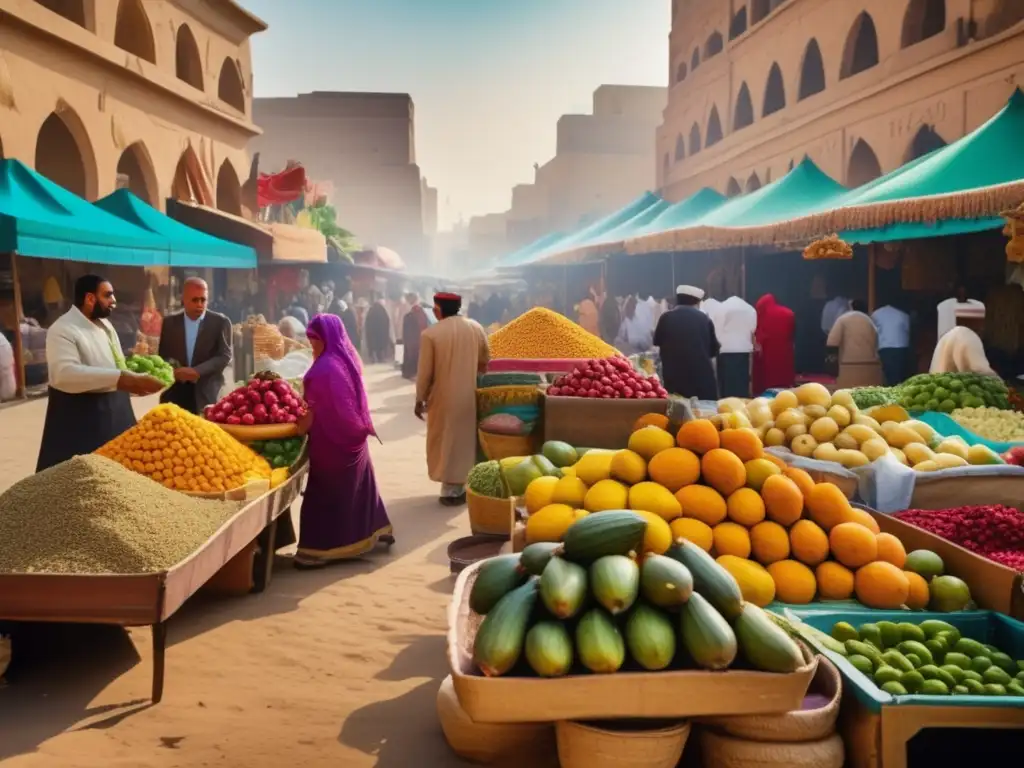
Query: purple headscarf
[[333, 386]]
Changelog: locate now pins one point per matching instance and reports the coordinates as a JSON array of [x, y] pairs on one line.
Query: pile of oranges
[[185, 453]]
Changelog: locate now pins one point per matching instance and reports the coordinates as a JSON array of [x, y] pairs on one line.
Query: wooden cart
[[151, 598]]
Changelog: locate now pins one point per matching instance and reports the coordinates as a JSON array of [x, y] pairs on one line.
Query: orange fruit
[[699, 436]]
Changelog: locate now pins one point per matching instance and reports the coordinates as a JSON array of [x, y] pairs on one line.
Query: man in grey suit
[[199, 341]]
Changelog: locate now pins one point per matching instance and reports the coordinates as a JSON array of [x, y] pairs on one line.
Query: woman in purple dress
[[342, 513]]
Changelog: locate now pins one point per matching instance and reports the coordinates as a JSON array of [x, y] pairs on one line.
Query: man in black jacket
[[686, 339]]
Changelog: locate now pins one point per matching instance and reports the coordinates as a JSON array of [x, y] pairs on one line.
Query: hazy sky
[[489, 78]]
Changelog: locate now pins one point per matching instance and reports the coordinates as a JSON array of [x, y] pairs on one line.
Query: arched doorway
[[774, 92], [926, 140], [758, 10], [680, 148], [714, 45], [694, 139], [695, 60], [863, 165], [190, 182], [812, 72], [923, 19], [229, 86], [135, 170], [738, 25], [72, 10], [133, 32], [744, 112], [64, 160], [732, 188], [714, 132], [229, 190], [681, 72], [753, 183], [861, 50], [187, 64]]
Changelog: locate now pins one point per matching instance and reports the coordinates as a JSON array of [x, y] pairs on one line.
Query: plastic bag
[[680, 409]]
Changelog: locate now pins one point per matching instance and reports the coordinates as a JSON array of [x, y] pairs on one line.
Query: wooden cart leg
[[159, 653], [263, 563]]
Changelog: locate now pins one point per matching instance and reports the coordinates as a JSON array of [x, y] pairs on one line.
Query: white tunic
[[960, 351], [80, 354], [946, 311]]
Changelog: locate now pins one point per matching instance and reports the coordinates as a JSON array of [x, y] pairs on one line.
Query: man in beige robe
[[452, 353]]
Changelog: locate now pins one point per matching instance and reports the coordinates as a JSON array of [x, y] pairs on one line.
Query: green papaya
[[615, 532], [499, 639], [958, 659], [981, 663], [615, 582], [918, 649], [665, 582], [960, 690], [914, 659], [563, 587], [546, 467], [599, 643], [994, 689], [897, 660], [910, 631], [890, 633], [912, 681], [535, 557], [1019, 677], [970, 674], [1015, 688], [1004, 662], [937, 647], [861, 663], [870, 633], [549, 649], [934, 687], [932, 627], [974, 687], [650, 638], [954, 672], [894, 689], [865, 649], [995, 675], [496, 578], [764, 644], [706, 635], [843, 631], [969, 647], [710, 579], [886, 674]]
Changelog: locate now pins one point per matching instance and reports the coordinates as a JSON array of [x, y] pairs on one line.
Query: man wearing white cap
[[686, 339]]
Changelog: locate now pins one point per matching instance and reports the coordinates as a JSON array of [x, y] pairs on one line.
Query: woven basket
[[585, 746], [719, 751], [489, 515], [498, 447]]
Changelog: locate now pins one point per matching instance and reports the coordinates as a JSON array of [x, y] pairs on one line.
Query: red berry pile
[[261, 401], [992, 531], [608, 378]]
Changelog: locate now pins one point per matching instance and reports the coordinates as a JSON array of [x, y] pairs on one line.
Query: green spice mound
[[91, 515], [485, 480]]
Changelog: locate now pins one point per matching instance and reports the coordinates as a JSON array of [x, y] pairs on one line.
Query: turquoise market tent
[[188, 247], [612, 240], [42, 219], [597, 229], [519, 257]]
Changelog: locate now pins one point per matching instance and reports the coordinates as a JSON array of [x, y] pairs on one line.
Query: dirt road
[[331, 668]]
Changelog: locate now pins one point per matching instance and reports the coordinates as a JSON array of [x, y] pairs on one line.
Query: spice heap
[[541, 334], [91, 515], [185, 453]]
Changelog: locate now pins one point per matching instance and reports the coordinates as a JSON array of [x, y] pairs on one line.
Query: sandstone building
[[154, 94], [860, 86], [365, 145]]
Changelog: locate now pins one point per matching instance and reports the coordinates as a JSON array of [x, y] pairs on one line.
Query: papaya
[[549, 649], [764, 644], [665, 582], [969, 647], [918, 649], [615, 582], [650, 638], [709, 578], [535, 557], [499, 639], [614, 532], [933, 627], [599, 643], [707, 636], [497, 577], [563, 587]]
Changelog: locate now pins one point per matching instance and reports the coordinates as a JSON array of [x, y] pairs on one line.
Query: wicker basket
[[585, 746], [498, 447], [488, 515], [719, 751]]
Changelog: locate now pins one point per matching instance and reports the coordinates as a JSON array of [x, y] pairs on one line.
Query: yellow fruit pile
[[185, 453], [541, 334], [780, 534], [814, 423]]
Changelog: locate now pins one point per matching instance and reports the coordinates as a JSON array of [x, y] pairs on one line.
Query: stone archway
[[190, 183], [680, 148], [229, 190], [774, 92], [743, 115], [133, 32], [714, 132], [925, 141], [694, 139], [713, 45], [135, 169], [923, 19], [229, 85], [188, 65], [732, 188], [64, 155], [863, 165], [812, 71], [860, 52], [72, 10], [753, 183]]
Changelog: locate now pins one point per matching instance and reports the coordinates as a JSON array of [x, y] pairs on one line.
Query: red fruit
[[233, 420], [593, 393], [239, 399], [290, 418], [270, 398], [586, 383], [260, 412], [248, 419], [554, 391], [627, 392], [226, 406], [255, 397]]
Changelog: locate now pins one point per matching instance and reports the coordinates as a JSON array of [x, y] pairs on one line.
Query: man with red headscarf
[[774, 365]]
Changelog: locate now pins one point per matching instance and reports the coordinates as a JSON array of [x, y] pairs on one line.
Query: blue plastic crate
[[946, 426], [989, 627]]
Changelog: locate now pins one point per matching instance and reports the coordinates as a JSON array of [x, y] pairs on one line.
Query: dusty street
[[332, 668]]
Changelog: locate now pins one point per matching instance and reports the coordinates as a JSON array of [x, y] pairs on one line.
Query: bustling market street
[[336, 667]]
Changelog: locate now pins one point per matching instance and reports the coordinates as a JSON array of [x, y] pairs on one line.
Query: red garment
[[282, 187], [774, 364]]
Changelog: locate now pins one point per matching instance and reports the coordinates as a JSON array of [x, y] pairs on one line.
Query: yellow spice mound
[[184, 452], [541, 334]]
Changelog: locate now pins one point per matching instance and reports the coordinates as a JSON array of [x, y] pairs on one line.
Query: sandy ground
[[330, 668]]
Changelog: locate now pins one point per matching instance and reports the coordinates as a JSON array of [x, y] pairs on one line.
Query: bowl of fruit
[[265, 408]]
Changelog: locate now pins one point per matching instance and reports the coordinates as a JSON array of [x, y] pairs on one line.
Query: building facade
[[859, 86], [365, 144], [150, 94], [602, 161]]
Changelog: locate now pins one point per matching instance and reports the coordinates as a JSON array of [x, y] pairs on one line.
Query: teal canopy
[[803, 191], [42, 219], [599, 229], [518, 258], [188, 247], [685, 212], [630, 227]]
